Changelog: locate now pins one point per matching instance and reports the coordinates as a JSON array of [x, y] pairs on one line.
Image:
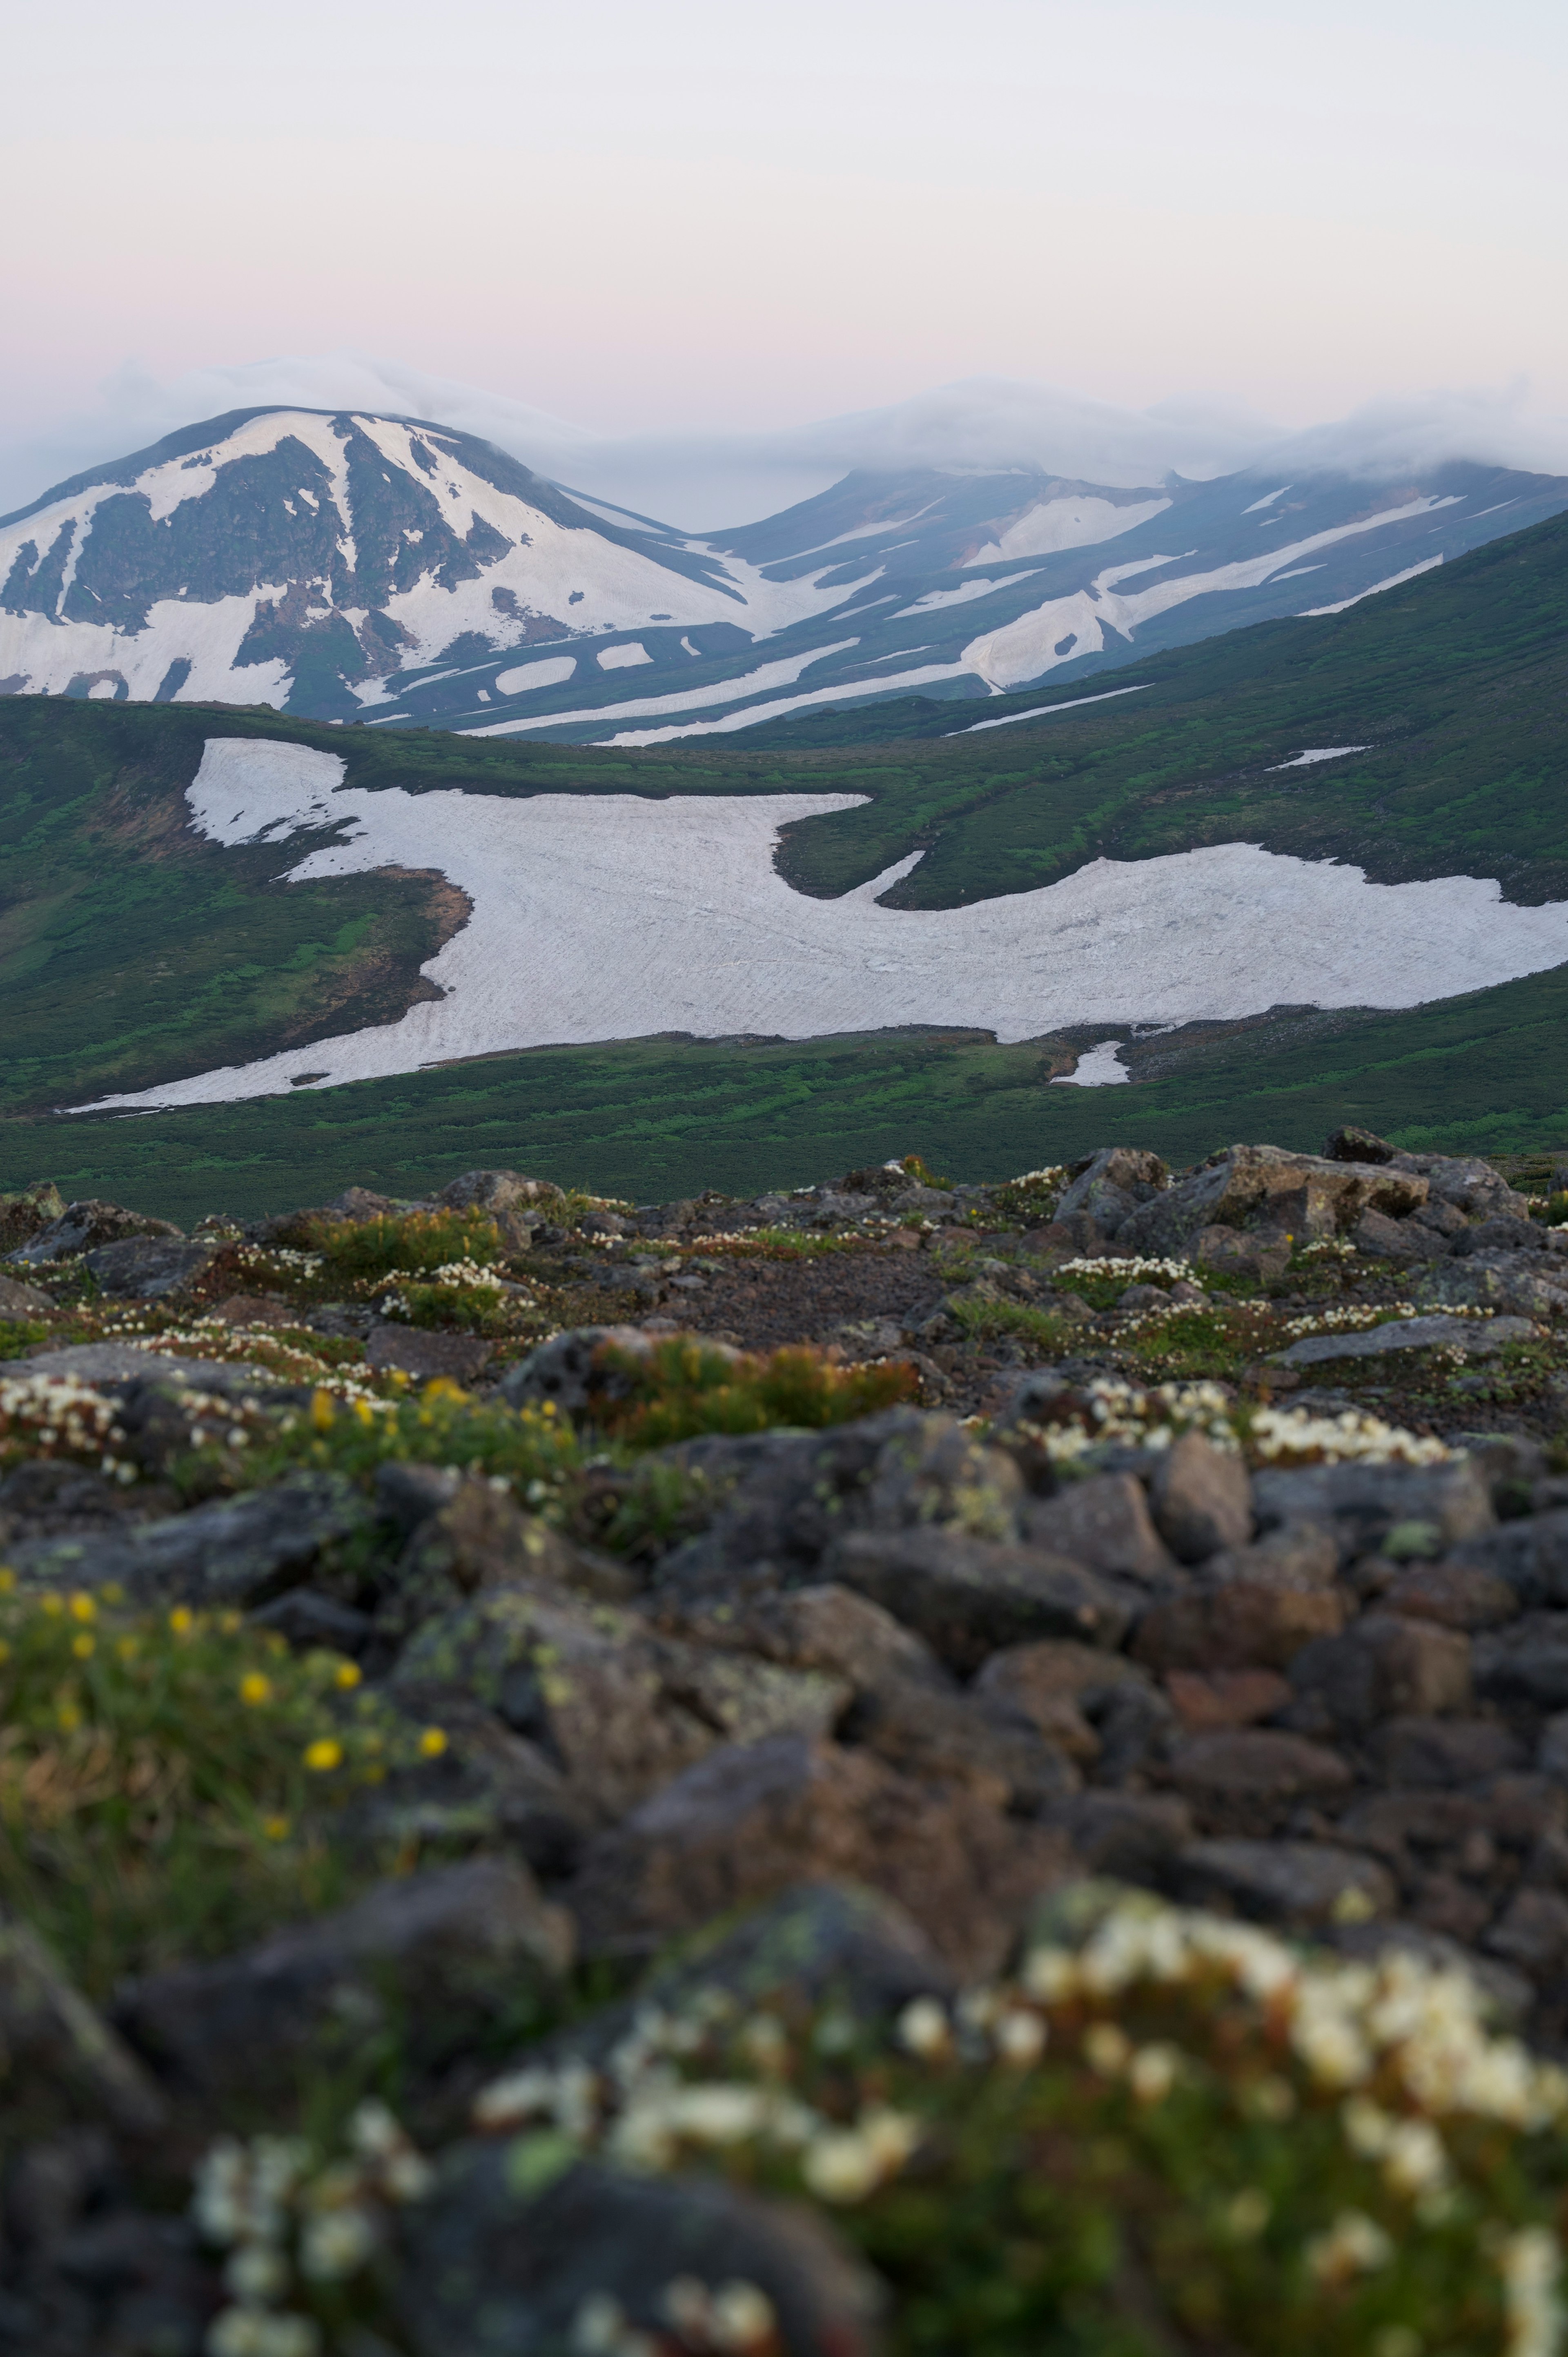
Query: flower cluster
[[1107, 1411], [1352, 1317], [287, 2221], [53, 1416], [1296, 1437], [1131, 1270]]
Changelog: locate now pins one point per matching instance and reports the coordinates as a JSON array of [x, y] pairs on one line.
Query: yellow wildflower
[[83, 1607], [347, 1674], [432, 1743], [254, 1689], [82, 1646], [324, 1754], [182, 1619]]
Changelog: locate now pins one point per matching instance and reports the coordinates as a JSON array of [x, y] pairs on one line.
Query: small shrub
[[17, 1336], [407, 1242], [921, 1174], [683, 1388], [535, 1452], [169, 1781]]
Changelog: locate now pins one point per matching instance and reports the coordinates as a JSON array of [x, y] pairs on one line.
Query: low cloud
[[706, 481]]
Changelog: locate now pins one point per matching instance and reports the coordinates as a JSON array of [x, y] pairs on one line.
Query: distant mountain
[[348, 567]]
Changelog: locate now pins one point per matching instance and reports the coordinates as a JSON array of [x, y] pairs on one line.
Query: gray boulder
[[437, 1955], [1297, 1885], [497, 2266], [1477, 1338], [82, 1227], [148, 1268], [1304, 1195], [1111, 1185], [240, 1550], [967, 1597]]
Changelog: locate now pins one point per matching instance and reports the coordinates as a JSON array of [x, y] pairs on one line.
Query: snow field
[[612, 917]]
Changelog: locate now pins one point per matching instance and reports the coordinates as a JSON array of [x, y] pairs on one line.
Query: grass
[[683, 1388], [652, 1120]]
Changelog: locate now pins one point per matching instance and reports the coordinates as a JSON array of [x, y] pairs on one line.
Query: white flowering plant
[[1164, 2131]]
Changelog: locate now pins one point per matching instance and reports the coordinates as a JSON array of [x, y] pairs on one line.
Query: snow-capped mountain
[[346, 565]]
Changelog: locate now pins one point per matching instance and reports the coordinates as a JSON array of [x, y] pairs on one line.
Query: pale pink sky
[[706, 215]]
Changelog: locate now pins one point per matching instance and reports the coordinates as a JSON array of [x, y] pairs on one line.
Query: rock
[[440, 1953], [620, 1708], [1514, 1234], [24, 1301], [22, 1214], [148, 1268], [427, 1352], [239, 1551], [967, 1597], [972, 1740], [1528, 1556], [1136, 1726], [1237, 1625], [1401, 1241], [1202, 1498], [474, 1537], [1525, 1662], [932, 1473], [1457, 1595], [1057, 1686], [61, 2061], [110, 1365], [1132, 1837], [1551, 1757], [1383, 1665], [309, 1621], [1352, 1143], [1238, 1254], [1253, 1778], [498, 2265], [1532, 1931], [1103, 1523], [81, 1227], [752, 1819], [1469, 1185], [1302, 1195], [1477, 1338], [490, 1785], [568, 1370], [1295, 1884], [1447, 1751], [1361, 1503], [1204, 1700], [518, 1206], [825, 1628], [1507, 1996], [255, 1309], [1112, 1184], [1519, 1285]]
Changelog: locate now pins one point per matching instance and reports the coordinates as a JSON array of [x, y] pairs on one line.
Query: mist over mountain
[[350, 564]]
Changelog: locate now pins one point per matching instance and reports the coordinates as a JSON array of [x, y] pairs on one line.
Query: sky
[[693, 226]]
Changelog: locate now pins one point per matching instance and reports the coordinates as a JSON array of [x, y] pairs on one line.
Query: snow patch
[[1098, 1068], [959, 596], [782, 674], [605, 917], [623, 658], [1411, 573], [1318, 753], [1268, 499], [522, 677], [1045, 711], [1052, 524]]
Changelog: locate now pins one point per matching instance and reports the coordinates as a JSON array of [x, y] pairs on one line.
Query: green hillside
[[132, 951]]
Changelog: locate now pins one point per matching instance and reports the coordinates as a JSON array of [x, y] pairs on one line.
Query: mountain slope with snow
[[349, 566]]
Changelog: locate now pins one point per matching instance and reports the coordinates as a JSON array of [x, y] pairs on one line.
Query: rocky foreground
[[895, 1767]]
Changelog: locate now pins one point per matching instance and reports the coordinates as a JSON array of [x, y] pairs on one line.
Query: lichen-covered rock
[[1304, 1195], [622, 1708], [83, 1226], [148, 1268]]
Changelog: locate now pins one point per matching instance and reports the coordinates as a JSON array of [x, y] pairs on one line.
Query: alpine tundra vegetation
[[890, 1766]]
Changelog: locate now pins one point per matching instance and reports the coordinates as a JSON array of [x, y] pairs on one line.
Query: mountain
[[1279, 878], [342, 565]]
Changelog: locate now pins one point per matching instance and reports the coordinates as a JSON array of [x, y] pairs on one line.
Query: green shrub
[[404, 1242], [169, 1782], [535, 1451], [17, 1336], [684, 1387]]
